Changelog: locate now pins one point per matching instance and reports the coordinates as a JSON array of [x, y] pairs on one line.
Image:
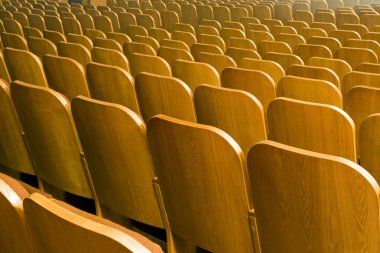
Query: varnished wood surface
[[110, 57], [357, 78], [340, 67], [314, 73], [273, 69], [148, 63]]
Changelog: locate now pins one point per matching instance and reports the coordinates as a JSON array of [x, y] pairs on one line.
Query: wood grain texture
[[273, 69], [311, 202], [238, 113], [76, 231], [238, 54], [215, 40], [368, 67], [340, 67], [311, 90], [164, 95], [306, 51], [360, 43], [14, 41], [114, 138], [24, 66], [74, 51], [173, 54], [355, 56], [206, 74], [314, 73], [317, 127], [65, 76], [285, 60], [110, 57], [41, 47], [293, 40], [219, 62], [202, 175], [332, 43], [136, 47], [357, 78], [148, 63], [51, 135]]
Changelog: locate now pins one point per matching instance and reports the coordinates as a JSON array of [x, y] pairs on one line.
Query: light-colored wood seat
[[148, 63], [357, 78], [285, 60], [136, 47], [306, 51], [273, 69], [311, 90], [368, 67], [164, 95], [110, 57], [108, 44], [219, 62], [66, 76], [291, 187], [45, 115], [206, 74], [79, 39], [332, 43], [76, 231], [340, 67], [15, 41], [236, 112], [314, 73], [316, 127], [173, 54], [238, 54], [273, 46], [213, 173], [41, 47], [24, 66], [74, 51], [356, 56]]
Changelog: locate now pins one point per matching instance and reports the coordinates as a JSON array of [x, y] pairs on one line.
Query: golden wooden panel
[[356, 78], [219, 62], [273, 69], [340, 67], [110, 57], [173, 54], [285, 60], [314, 73], [356, 56], [148, 63], [74, 51]]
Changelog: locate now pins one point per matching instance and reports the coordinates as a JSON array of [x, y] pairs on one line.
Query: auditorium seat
[[356, 56], [285, 60], [219, 62], [11, 40], [273, 69], [306, 51], [41, 47], [321, 73], [110, 57], [356, 78], [148, 63], [74, 51], [173, 54], [340, 67]]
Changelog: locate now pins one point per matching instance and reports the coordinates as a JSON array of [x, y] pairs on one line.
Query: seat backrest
[[368, 67], [71, 25], [293, 40], [54, 37], [112, 84], [213, 173], [110, 57], [311, 90], [273, 69], [324, 182], [219, 62], [316, 127], [103, 24], [45, 115], [66, 76], [173, 54], [273, 46], [85, 20], [80, 39], [238, 54], [356, 56], [206, 74], [285, 60], [15, 236], [340, 67], [41, 47], [314, 73], [357, 78], [236, 112], [344, 35], [117, 141], [332, 43], [74, 51], [15, 41], [148, 63], [24, 66], [306, 51], [12, 26], [58, 227], [140, 48]]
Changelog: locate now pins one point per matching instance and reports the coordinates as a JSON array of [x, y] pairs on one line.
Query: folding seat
[[331, 43], [273, 164], [262, 12], [53, 23], [340, 67], [307, 33], [74, 51], [298, 25], [110, 57], [219, 62], [314, 73], [372, 36], [21, 18], [113, 18], [164, 95], [241, 43], [27, 10], [59, 159], [32, 32], [182, 27], [206, 30], [174, 44], [148, 63], [15, 236], [315, 5], [356, 56], [277, 29], [301, 6], [24, 66], [173, 54], [126, 19], [347, 18], [186, 37], [159, 34], [285, 60], [293, 40], [76, 231], [12, 40], [300, 124], [283, 12], [76, 11], [198, 48], [189, 14], [71, 25], [54, 37], [107, 44], [158, 5], [86, 21], [306, 51], [36, 21], [248, 20], [121, 38], [80, 39], [93, 13], [270, 23], [305, 16], [310, 90], [368, 139], [257, 28], [112, 84], [215, 107], [146, 40], [41, 47], [343, 35], [368, 67], [238, 12], [370, 20], [360, 29], [325, 26], [205, 12], [5, 14], [213, 40], [356, 78], [263, 86], [223, 155], [103, 23], [12, 26], [66, 15], [135, 47], [227, 33], [94, 33], [206, 74], [238, 54], [369, 44], [212, 23], [48, 12], [168, 19], [66, 76], [273, 46], [273, 69], [135, 30], [221, 14]]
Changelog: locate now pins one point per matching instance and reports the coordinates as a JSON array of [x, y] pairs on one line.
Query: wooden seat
[[310, 90], [107, 44], [219, 62], [356, 56], [112, 84], [15, 41], [146, 40], [344, 35], [221, 163], [241, 43], [86, 21], [36, 21], [45, 115], [212, 40], [54, 37], [41, 47], [307, 33], [306, 51], [140, 48], [238, 54], [173, 54], [110, 57], [121, 38], [331, 43], [164, 95], [259, 36], [66, 76], [94, 33], [17, 237], [305, 16], [255, 82], [274, 164], [304, 125], [369, 44], [273, 69], [273, 46], [12, 26], [357, 78], [368, 67], [148, 63], [32, 32], [168, 19], [325, 26], [340, 67], [360, 29], [71, 25], [103, 23], [74, 51], [76, 231], [206, 74], [174, 44], [53, 23], [285, 60], [215, 106], [293, 40], [24, 66], [227, 33]]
